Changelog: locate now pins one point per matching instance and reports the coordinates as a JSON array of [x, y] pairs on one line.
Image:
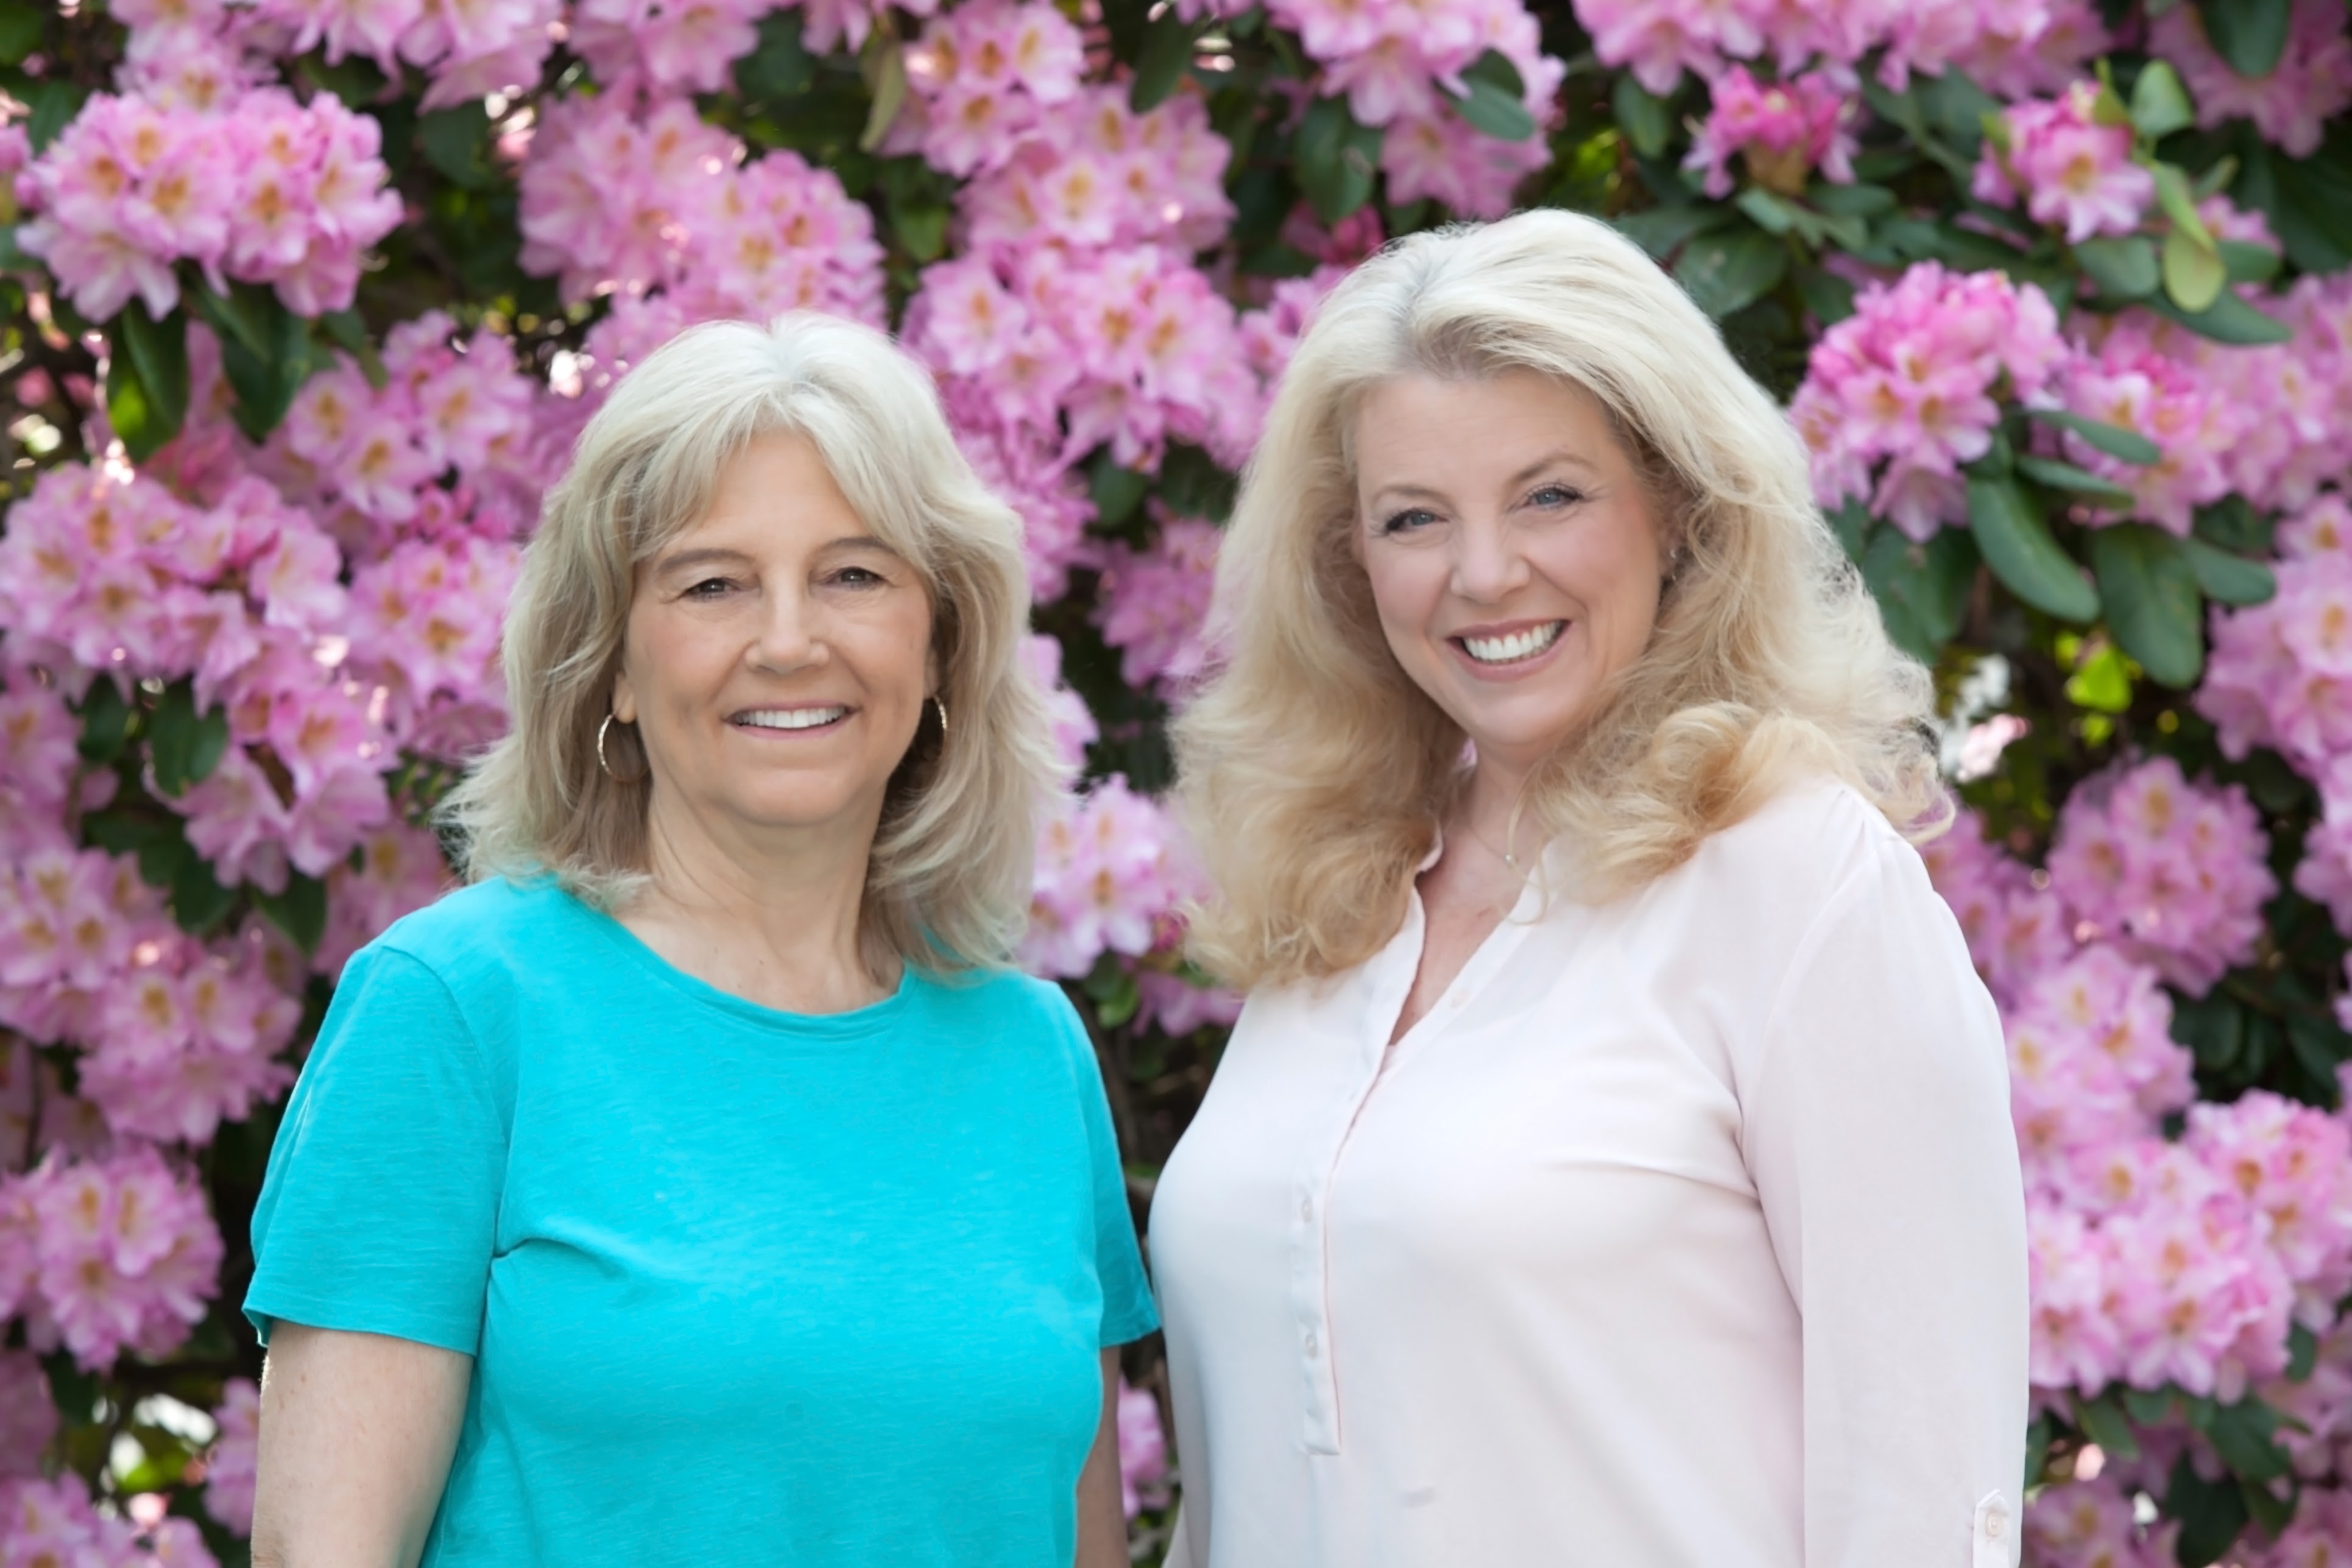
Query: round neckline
[[857, 1022]]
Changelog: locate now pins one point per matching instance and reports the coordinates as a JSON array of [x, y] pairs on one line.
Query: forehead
[[774, 494], [1469, 425]]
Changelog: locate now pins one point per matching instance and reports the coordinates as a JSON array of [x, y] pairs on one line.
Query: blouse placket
[[1388, 983]]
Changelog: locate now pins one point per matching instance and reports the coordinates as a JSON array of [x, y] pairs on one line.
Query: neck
[[769, 915], [1487, 805]]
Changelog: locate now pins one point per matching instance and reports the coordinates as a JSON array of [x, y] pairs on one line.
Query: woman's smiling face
[[778, 656], [1514, 553]]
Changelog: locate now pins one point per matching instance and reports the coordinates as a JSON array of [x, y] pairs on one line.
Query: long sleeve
[[1876, 1128]]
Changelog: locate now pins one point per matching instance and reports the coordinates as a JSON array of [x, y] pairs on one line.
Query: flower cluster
[[1090, 172], [2074, 173], [106, 1255], [1046, 354], [1782, 131], [2128, 379], [232, 1462], [1154, 604], [615, 201], [1142, 1451], [663, 46], [2311, 84], [2011, 48], [1112, 873], [983, 79], [28, 1415], [1914, 378], [2281, 672], [469, 49], [53, 1522], [112, 573], [1399, 60], [263, 189], [2173, 872]]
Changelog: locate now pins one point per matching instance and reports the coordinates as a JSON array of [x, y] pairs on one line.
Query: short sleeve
[[379, 1213], [1127, 1311], [1878, 1134]]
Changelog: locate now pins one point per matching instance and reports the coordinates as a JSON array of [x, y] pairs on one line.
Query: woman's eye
[[1408, 519], [1556, 495], [708, 589], [859, 577]]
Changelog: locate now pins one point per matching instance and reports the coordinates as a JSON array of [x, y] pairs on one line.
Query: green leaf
[[54, 102], [1118, 491], [455, 141], [2247, 262], [2229, 319], [1161, 63], [1829, 296], [1851, 201], [2303, 1353], [2102, 682], [1641, 115], [1726, 272], [2241, 1436], [2125, 445], [199, 903], [1495, 100], [21, 27], [265, 354], [105, 722], [922, 228], [2124, 268], [889, 85], [2147, 1406], [2037, 1449], [2319, 1046], [182, 745], [160, 351], [2016, 543], [2211, 1514], [2179, 202], [1922, 589], [1662, 231], [2103, 1422], [2077, 481], [2194, 273], [301, 912], [2227, 578], [1336, 159], [130, 408], [2232, 524], [2250, 35], [2152, 600], [2159, 104], [351, 335], [781, 67]]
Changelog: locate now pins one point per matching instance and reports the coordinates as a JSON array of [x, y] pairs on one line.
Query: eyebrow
[[712, 556], [1550, 459]]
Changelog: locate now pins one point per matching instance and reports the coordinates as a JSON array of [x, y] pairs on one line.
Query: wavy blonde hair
[[947, 882], [1314, 771]]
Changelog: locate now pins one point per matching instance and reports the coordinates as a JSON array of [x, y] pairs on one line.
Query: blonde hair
[[948, 878], [1314, 771]]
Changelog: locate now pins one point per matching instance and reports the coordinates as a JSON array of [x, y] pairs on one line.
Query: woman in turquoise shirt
[[698, 1185]]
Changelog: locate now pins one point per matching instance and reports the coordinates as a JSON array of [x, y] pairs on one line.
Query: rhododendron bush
[[306, 299]]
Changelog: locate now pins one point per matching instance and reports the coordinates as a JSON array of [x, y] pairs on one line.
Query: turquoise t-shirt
[[741, 1286]]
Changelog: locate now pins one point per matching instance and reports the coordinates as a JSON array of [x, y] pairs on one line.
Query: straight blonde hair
[[948, 878], [1313, 772]]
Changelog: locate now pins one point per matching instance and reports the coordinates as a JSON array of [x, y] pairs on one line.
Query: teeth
[[790, 717], [1517, 646]]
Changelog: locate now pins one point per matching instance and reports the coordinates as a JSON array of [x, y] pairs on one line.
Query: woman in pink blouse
[[1612, 1166]]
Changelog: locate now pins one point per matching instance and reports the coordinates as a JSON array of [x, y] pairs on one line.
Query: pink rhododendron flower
[[1913, 380], [2311, 85], [1155, 604], [1109, 874], [2075, 174], [2280, 673], [1068, 720], [1142, 1451], [2174, 872], [2125, 379], [28, 1415], [124, 1250], [231, 1463], [1784, 131]]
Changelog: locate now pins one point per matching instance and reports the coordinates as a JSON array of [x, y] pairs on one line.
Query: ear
[[625, 699]]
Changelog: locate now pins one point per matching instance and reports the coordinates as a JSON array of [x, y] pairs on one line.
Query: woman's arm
[[1877, 1130], [357, 1431], [1102, 1513]]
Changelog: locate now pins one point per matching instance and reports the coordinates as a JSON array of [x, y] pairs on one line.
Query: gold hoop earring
[[941, 703], [601, 729]]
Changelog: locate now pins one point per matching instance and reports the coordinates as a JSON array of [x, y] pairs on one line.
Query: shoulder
[[1000, 1002], [474, 935], [1806, 849]]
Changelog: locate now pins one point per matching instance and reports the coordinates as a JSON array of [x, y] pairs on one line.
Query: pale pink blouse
[[1686, 1231]]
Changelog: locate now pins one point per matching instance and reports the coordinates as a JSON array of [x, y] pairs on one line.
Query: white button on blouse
[[1686, 1232]]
